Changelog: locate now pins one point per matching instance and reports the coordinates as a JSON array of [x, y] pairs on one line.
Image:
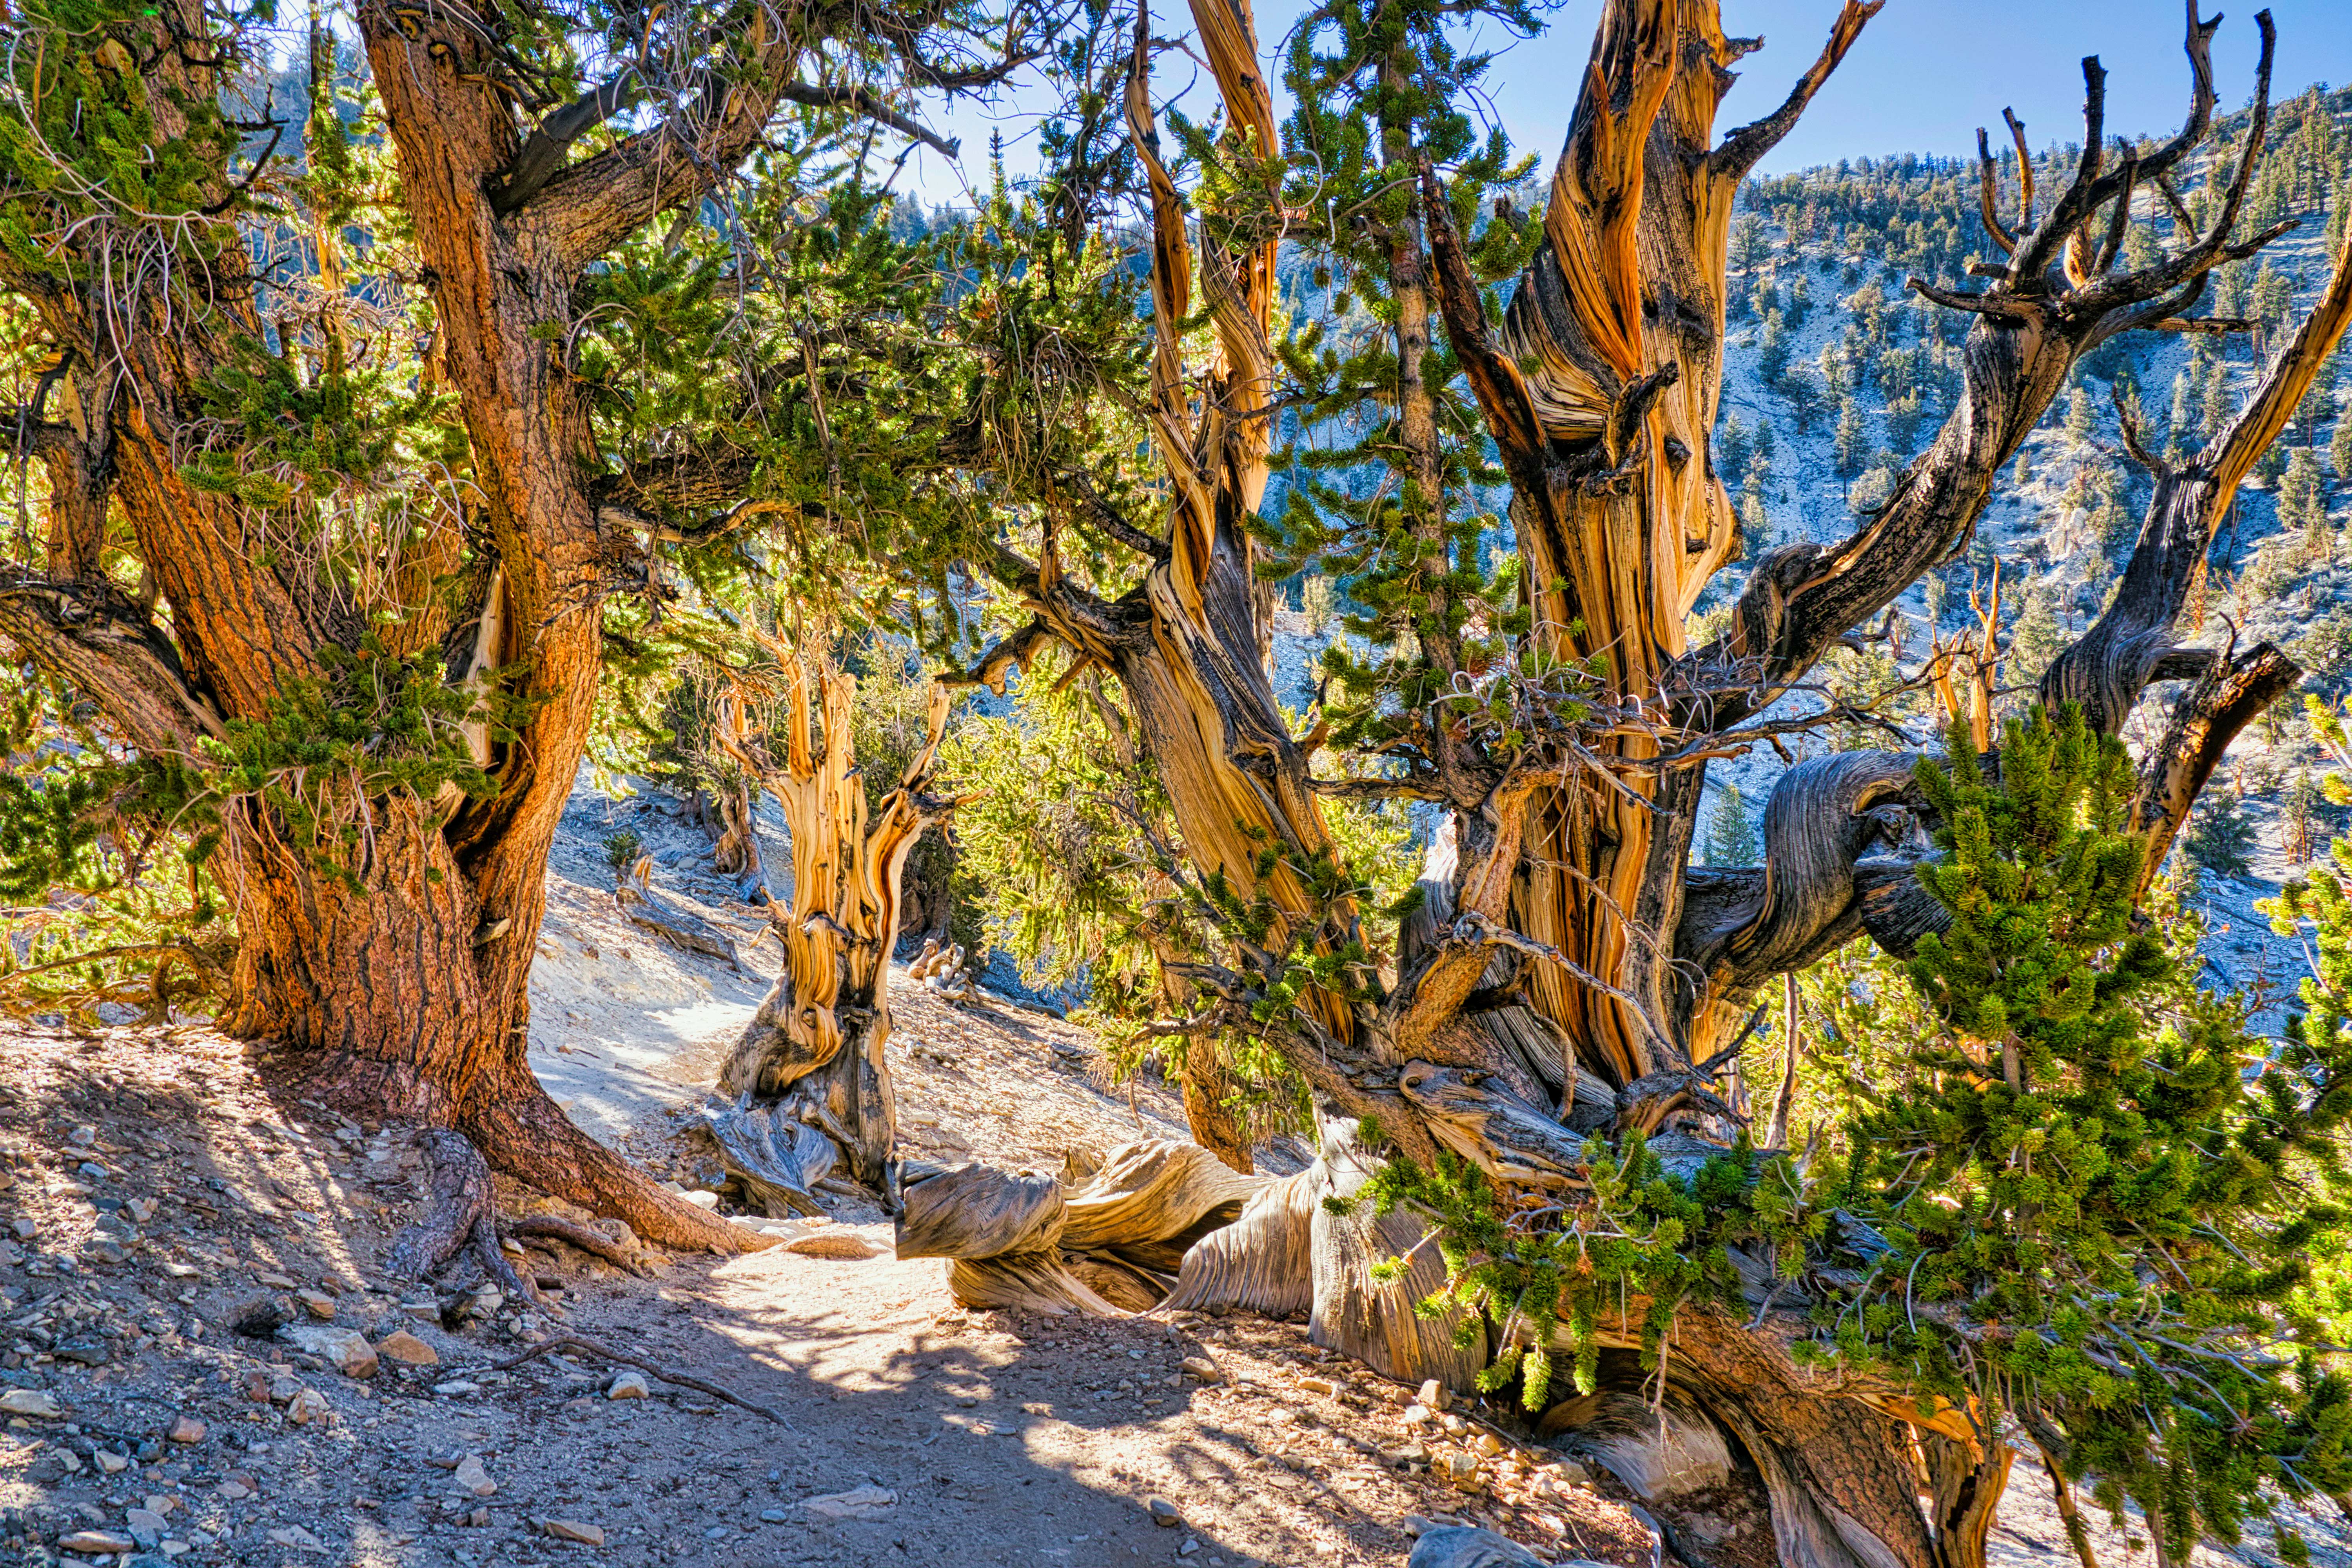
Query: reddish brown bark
[[396, 966]]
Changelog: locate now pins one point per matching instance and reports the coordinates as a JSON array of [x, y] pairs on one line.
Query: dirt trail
[[1001, 1440], [155, 1188]]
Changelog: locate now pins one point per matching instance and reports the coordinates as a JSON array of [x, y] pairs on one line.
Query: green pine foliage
[[1376, 82], [2055, 1189], [1731, 832], [2095, 1219], [2221, 837]]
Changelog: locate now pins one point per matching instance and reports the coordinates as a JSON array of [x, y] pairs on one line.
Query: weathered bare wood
[[2207, 719], [586, 1237], [2129, 644], [809, 1076], [581, 1344], [1574, 902], [682, 929]]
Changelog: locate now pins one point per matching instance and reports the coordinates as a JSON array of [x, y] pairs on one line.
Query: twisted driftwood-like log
[[682, 929], [809, 1079]]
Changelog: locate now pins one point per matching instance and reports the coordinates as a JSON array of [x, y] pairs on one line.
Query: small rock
[[1419, 1415], [318, 1303], [103, 1251], [1191, 1545], [1443, 1543], [1435, 1395], [259, 1317], [1459, 1465], [457, 1388], [1408, 1454], [146, 1527], [1454, 1425], [186, 1429], [97, 1543], [408, 1349], [843, 1246], [1489, 1445], [1163, 1513], [705, 1200], [31, 1402], [471, 1477], [141, 1209], [113, 1464], [299, 1538], [629, 1385], [421, 1312], [307, 1406], [87, 1352], [345, 1350], [184, 1271], [774, 1516], [1317, 1385], [861, 1503], [26, 1229], [572, 1529], [1203, 1368], [272, 1279]]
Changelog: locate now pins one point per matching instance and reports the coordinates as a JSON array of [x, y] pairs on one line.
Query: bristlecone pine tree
[[1571, 988], [337, 586]]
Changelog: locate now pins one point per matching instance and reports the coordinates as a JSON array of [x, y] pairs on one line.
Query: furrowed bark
[[398, 973], [1571, 900]]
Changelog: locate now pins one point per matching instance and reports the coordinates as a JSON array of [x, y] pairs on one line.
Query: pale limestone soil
[[1073, 1428], [628, 1033]]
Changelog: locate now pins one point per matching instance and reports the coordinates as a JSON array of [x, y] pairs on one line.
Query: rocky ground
[[203, 1360]]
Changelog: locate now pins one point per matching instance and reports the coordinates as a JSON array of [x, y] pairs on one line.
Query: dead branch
[[585, 1345]]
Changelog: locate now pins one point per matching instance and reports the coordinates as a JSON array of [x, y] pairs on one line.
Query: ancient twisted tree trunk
[[385, 938], [809, 1076], [1570, 973]]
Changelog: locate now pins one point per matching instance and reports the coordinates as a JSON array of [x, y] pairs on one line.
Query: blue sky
[[1924, 76]]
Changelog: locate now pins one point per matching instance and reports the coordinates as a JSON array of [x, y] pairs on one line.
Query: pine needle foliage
[[1393, 509], [2095, 1215]]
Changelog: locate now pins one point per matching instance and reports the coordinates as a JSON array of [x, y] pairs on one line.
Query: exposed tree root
[[587, 1238], [649, 911], [517, 1130], [683, 1380], [526, 1135], [462, 1214]]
